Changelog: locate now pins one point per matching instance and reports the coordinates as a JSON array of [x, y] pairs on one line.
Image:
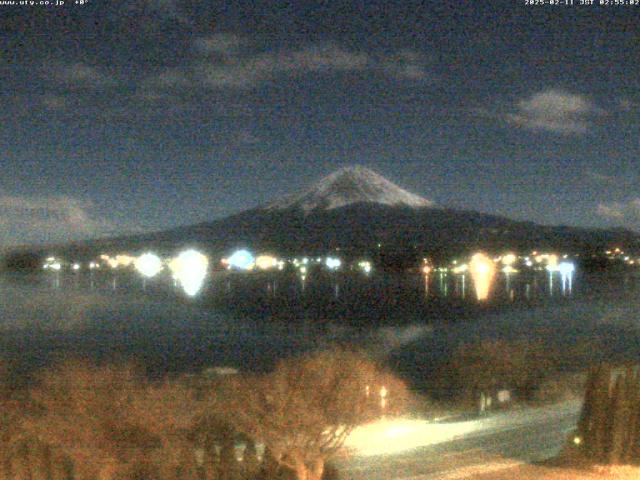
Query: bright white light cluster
[[333, 263], [509, 259], [566, 268], [242, 260], [190, 269], [148, 264], [365, 266], [52, 263]]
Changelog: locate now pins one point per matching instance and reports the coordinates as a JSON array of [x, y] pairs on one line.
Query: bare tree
[[11, 411], [168, 410], [305, 409], [85, 414]]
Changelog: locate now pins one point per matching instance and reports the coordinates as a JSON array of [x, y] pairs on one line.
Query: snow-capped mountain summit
[[350, 185], [378, 213]]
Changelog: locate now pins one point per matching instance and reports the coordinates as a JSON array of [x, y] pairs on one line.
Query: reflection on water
[[191, 278], [229, 323], [189, 270], [350, 297], [483, 270]]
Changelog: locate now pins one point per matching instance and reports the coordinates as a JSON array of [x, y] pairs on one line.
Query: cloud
[[79, 75], [220, 43], [249, 71], [628, 211], [611, 180], [236, 66], [612, 211], [602, 178], [49, 219], [555, 111], [627, 105], [54, 102], [245, 137], [319, 58], [406, 65]]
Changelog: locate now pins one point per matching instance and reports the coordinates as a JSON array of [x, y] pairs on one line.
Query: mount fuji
[[357, 212]]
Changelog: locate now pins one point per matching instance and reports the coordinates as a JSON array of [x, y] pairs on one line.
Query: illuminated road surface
[[418, 450]]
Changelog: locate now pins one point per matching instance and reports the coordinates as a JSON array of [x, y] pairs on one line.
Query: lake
[[248, 321]]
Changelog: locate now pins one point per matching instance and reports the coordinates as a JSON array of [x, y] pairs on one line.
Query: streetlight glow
[[482, 272], [190, 269], [509, 259], [241, 259], [333, 263], [266, 262], [148, 264]]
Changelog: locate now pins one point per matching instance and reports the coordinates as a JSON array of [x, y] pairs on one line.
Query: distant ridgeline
[[22, 261], [356, 213]]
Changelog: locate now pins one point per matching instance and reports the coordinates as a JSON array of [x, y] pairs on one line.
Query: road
[[420, 450]]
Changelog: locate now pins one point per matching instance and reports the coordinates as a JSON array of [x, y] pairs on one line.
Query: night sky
[[130, 116]]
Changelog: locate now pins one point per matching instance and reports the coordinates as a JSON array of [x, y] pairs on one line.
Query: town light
[[190, 269], [52, 263], [266, 262], [125, 260], [482, 272], [365, 266], [566, 268], [148, 264], [461, 268], [333, 263], [241, 259], [509, 259]]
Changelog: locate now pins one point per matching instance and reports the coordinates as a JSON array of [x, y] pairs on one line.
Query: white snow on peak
[[349, 185]]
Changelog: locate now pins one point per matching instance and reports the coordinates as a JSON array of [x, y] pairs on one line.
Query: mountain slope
[[358, 230], [358, 212]]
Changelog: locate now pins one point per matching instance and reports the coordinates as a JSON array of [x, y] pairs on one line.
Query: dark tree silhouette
[[609, 424]]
